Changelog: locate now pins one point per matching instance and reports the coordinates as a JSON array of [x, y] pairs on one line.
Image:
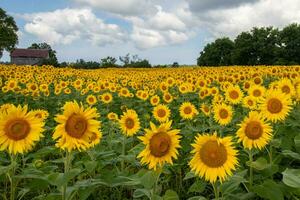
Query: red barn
[[28, 56]]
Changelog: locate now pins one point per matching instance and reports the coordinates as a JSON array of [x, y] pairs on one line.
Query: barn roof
[[35, 53]]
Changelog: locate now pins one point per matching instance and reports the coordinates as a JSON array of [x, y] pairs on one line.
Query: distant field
[[167, 133]]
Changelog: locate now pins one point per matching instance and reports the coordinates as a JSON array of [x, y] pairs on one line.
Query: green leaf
[[197, 198], [297, 142], [170, 195], [4, 169], [149, 179], [291, 177], [60, 179], [198, 186], [138, 193], [291, 154], [90, 165], [260, 164], [268, 190], [189, 175], [233, 183]]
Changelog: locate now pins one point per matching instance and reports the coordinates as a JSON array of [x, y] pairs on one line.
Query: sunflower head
[[214, 158], [161, 113], [234, 94], [161, 144], [19, 129], [78, 128], [187, 110], [223, 113], [254, 132], [129, 123]]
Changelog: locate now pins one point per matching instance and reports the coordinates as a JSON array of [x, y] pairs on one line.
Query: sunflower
[[129, 123], [19, 130], [223, 113], [233, 94], [5, 107], [161, 144], [91, 99], [168, 98], [254, 132], [287, 87], [154, 100], [161, 113], [256, 91], [112, 116], [41, 114], [214, 158], [106, 97], [250, 102], [205, 109], [187, 110], [77, 128], [276, 105]]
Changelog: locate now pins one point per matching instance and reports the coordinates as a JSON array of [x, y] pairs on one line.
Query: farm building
[[28, 56]]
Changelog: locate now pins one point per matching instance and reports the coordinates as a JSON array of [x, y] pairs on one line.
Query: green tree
[[260, 46], [289, 45], [108, 62], [52, 54], [8, 32], [134, 61], [217, 53]]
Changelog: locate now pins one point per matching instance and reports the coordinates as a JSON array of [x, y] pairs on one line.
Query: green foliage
[[52, 60], [259, 46], [8, 32], [217, 53]]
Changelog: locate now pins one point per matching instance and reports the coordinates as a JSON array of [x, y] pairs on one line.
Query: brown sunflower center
[[206, 109], [213, 154], [76, 126], [233, 94], [160, 144], [274, 106], [129, 123], [187, 110], [257, 93], [161, 113], [253, 130], [106, 98], [250, 102], [223, 113], [286, 89], [17, 129]]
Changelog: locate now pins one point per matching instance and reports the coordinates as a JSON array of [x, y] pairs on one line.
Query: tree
[[108, 62], [260, 46], [52, 54], [8, 32], [289, 45], [134, 61], [216, 53]]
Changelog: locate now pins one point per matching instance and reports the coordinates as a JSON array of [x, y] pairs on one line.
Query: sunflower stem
[[216, 190], [251, 168], [154, 189], [11, 176], [67, 167], [123, 153]]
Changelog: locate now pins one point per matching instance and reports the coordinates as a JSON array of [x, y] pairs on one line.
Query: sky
[[162, 31]]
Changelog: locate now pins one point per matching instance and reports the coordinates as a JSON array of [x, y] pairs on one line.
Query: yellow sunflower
[[276, 105], [250, 102], [256, 91], [42, 114], [19, 130], [77, 128], [154, 100], [130, 123], [161, 144], [91, 99], [205, 109], [161, 113], [187, 110], [106, 97], [223, 113], [233, 94], [286, 86], [214, 158], [254, 132], [112, 116]]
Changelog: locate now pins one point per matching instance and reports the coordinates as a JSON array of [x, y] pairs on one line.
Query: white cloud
[[64, 26], [232, 21], [121, 7]]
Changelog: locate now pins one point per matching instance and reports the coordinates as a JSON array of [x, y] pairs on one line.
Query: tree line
[[259, 46]]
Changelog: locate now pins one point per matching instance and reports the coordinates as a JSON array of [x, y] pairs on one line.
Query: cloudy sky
[[162, 31]]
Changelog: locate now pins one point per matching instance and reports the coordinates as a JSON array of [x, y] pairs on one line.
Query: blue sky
[[153, 29]]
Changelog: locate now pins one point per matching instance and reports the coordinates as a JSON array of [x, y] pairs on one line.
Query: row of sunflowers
[[184, 133]]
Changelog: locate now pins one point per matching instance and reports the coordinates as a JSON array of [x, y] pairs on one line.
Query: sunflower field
[[191, 133]]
